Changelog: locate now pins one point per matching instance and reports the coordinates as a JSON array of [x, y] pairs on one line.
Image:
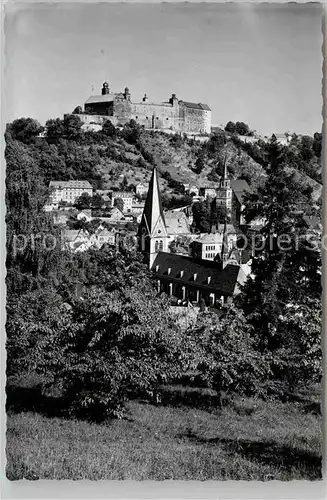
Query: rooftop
[[100, 98], [70, 184], [222, 281], [195, 105]]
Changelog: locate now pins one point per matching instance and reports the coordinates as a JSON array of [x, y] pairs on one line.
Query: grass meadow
[[246, 440]]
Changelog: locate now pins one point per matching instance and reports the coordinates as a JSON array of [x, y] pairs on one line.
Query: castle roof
[[196, 105], [100, 98], [223, 281]]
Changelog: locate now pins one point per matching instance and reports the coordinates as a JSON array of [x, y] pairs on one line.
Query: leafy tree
[[242, 128], [230, 127], [132, 132], [97, 201], [84, 201], [201, 216], [119, 341], [78, 110], [24, 130], [54, 129], [218, 213], [72, 127], [228, 359], [285, 266], [119, 203], [109, 129], [199, 165]]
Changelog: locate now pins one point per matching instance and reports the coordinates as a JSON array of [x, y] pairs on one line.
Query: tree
[[119, 203], [286, 265], [24, 130], [72, 127], [116, 343], [199, 165], [228, 359], [109, 129], [84, 201], [78, 110], [132, 132], [230, 127], [97, 201], [201, 216], [242, 128], [218, 213], [54, 129]]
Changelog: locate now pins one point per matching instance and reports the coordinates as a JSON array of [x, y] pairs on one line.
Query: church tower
[[224, 192], [153, 237]]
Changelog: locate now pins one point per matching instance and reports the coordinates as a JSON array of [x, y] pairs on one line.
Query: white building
[[68, 191], [208, 246], [127, 198], [141, 189]]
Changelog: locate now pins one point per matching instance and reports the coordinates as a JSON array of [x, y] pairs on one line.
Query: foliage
[[24, 130], [84, 201], [202, 216], [132, 132], [109, 129], [117, 341], [119, 203], [229, 359], [285, 264]]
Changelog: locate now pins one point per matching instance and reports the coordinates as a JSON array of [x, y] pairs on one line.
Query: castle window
[[136, 117]]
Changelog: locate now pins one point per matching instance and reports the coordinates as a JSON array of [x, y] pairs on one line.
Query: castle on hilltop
[[175, 115]]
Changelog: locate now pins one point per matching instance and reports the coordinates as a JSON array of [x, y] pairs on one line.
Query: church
[[185, 279]]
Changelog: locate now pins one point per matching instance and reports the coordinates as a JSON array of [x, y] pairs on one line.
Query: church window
[[160, 245], [156, 246]]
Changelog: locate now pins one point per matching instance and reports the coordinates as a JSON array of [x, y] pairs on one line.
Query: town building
[[209, 246], [68, 191], [173, 115], [207, 192], [141, 189], [185, 278], [126, 197]]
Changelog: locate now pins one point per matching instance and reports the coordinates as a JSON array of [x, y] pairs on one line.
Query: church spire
[[152, 230], [225, 168]]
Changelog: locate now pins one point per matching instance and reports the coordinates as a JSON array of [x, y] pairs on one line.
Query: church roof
[[239, 187], [153, 208], [100, 98], [222, 281]]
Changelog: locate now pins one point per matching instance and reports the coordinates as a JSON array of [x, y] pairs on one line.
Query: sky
[[257, 63]]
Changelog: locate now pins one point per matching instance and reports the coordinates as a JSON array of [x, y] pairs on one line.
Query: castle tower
[[127, 94], [105, 88], [153, 237]]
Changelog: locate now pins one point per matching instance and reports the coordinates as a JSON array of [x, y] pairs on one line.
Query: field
[[249, 440]]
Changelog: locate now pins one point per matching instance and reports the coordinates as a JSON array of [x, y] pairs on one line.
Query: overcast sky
[[258, 63]]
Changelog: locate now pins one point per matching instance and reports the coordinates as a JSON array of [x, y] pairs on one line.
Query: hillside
[[121, 158]]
